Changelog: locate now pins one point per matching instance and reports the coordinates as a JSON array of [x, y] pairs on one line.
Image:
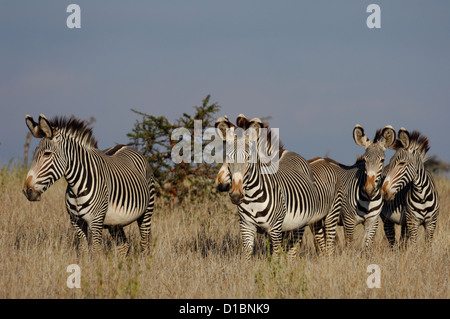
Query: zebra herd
[[402, 192], [115, 187]]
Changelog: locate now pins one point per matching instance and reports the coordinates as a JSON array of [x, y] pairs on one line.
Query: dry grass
[[196, 254]]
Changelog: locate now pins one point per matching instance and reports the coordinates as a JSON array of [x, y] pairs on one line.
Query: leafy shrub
[[151, 135]]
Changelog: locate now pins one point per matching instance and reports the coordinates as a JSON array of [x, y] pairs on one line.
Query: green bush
[[151, 135]]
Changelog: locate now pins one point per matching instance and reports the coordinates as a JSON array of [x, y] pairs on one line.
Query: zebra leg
[[248, 234], [403, 236], [294, 243], [331, 221], [96, 228], [430, 227], [318, 231], [349, 228], [145, 223], [118, 234], [81, 231], [389, 231], [276, 238], [80, 226], [330, 224], [370, 228], [412, 227]]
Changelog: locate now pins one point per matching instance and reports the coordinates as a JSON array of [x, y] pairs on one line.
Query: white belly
[[119, 216], [292, 222]]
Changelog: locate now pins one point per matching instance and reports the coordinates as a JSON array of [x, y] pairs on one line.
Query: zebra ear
[[360, 138], [403, 137], [222, 124], [45, 126], [388, 134], [242, 122], [254, 125], [33, 127]]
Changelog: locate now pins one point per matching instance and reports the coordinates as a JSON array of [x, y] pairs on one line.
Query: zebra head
[[48, 161], [234, 173], [374, 155], [406, 164]]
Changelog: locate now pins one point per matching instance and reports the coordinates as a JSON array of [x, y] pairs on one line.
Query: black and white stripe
[[110, 188]]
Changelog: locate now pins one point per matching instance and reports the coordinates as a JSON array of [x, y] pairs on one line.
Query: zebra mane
[[359, 158], [417, 142], [359, 161], [281, 148], [75, 128]]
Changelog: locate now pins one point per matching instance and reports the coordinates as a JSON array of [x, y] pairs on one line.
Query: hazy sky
[[314, 66]]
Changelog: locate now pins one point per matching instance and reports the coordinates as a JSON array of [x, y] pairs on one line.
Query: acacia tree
[[151, 135]]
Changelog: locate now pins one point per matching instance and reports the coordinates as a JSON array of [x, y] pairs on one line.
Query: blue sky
[[314, 66]]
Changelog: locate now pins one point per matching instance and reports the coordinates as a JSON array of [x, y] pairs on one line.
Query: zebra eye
[[402, 163], [47, 154]]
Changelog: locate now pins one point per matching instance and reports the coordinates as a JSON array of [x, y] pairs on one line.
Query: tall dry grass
[[196, 253]]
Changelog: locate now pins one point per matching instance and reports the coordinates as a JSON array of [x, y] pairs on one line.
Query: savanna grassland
[[196, 253]]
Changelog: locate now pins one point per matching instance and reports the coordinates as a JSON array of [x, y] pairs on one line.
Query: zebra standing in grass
[[362, 197], [111, 188], [276, 201], [409, 190]]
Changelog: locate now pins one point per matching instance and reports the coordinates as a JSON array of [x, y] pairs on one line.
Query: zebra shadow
[[230, 244], [227, 245]]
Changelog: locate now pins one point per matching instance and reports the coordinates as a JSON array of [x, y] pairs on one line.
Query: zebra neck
[[255, 174], [420, 184], [81, 171], [256, 180]]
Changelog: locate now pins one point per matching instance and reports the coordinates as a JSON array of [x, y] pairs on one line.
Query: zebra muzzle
[[31, 194], [236, 198], [236, 193], [386, 191], [370, 187]]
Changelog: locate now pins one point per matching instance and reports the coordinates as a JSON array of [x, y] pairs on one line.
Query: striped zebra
[[409, 190], [284, 200], [110, 188], [362, 197]]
